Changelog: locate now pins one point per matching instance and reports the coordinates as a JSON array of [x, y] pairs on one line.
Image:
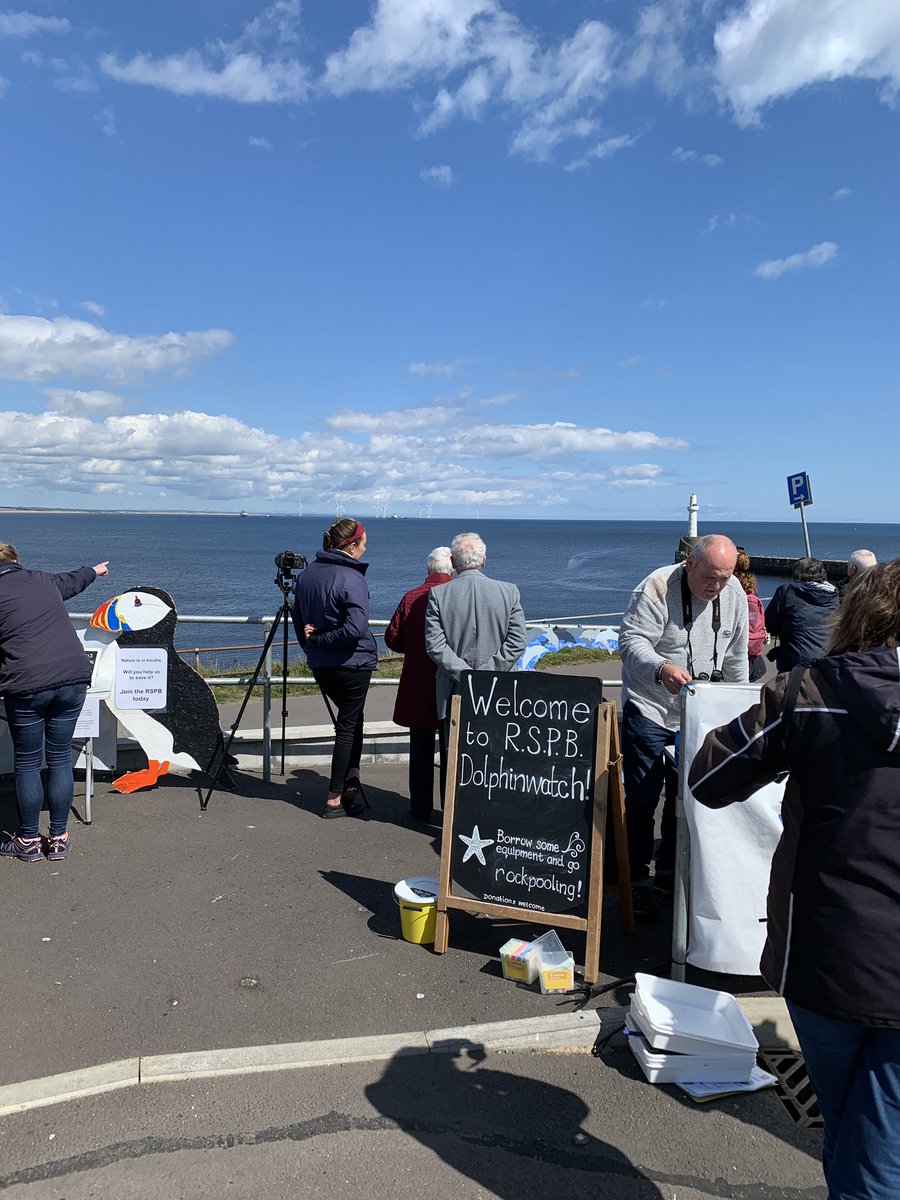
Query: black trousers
[[646, 774], [346, 689], [421, 770]]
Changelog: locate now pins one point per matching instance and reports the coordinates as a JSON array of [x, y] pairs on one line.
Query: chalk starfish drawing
[[476, 845]]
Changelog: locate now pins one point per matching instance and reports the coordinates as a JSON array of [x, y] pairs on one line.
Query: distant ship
[[244, 514]]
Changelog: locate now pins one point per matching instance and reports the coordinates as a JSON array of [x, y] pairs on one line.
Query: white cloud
[[410, 419], [843, 193], [106, 119], [447, 369], [36, 349], [259, 143], [477, 52], [221, 458], [638, 471], [259, 67], [4, 84], [631, 361], [694, 156], [604, 149], [769, 49], [80, 84], [92, 306], [26, 24], [497, 401], [548, 440], [78, 403], [816, 256], [729, 221], [244, 78], [438, 176]]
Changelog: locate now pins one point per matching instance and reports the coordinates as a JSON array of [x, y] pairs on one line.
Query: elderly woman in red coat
[[416, 707]]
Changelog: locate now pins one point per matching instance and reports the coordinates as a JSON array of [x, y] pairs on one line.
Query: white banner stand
[[722, 856]]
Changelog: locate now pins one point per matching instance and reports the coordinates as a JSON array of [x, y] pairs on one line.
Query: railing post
[[197, 659]]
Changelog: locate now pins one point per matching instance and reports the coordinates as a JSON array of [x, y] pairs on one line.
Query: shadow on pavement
[[514, 1136]]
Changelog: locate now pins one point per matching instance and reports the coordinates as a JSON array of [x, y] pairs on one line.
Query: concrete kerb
[[558, 1031]]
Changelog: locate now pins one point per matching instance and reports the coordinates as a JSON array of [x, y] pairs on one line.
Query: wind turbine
[[339, 509]]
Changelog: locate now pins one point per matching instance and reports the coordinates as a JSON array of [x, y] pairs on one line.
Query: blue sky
[[519, 257]]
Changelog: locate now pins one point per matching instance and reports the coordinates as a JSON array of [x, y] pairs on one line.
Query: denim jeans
[[41, 725], [645, 772], [855, 1072]]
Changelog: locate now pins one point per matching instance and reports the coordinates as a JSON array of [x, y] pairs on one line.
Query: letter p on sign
[[799, 490]]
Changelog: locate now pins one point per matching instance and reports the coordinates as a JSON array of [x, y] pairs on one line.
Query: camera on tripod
[[289, 562]]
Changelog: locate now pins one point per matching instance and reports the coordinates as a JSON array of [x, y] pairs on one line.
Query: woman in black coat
[[833, 929], [44, 676], [331, 619], [800, 614]]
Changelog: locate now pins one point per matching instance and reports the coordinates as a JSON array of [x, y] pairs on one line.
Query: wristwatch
[[659, 670]]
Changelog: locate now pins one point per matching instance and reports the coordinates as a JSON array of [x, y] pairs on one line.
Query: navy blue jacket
[[38, 645], [800, 616], [332, 596]]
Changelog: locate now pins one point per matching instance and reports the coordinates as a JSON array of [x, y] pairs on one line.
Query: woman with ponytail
[[331, 617]]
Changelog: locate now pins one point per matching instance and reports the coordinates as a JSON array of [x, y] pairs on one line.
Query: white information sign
[[88, 723], [141, 679], [731, 848]]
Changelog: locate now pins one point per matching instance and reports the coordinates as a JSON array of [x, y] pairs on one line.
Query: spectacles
[[711, 676]]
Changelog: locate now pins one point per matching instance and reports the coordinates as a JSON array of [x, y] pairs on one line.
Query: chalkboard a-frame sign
[[533, 759]]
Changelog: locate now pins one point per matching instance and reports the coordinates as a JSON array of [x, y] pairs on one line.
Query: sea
[[225, 565]]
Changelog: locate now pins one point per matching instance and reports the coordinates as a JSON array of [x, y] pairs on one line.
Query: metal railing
[[268, 677]]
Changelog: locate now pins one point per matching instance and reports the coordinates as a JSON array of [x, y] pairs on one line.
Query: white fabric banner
[[731, 848]]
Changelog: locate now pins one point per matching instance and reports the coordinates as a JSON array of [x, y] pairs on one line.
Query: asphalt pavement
[[256, 923]]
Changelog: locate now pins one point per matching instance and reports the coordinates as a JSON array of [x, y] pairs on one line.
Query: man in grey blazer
[[472, 622]]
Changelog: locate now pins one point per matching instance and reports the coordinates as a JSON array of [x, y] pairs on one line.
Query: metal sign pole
[[802, 508]]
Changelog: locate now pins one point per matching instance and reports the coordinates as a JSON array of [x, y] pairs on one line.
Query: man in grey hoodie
[[683, 622]]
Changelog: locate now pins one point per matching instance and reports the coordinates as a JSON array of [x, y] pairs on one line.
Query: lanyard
[[687, 613]]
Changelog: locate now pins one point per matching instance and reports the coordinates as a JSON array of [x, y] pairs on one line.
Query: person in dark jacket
[[331, 617], [416, 706], [833, 930], [800, 614], [44, 675]]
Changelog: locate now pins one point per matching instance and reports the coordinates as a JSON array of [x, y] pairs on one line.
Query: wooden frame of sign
[[608, 811]]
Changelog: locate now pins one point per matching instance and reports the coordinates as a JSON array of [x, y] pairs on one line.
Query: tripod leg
[[223, 754], [284, 677]]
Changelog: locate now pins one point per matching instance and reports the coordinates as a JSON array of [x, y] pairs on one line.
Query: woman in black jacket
[[331, 619], [44, 675], [833, 932], [800, 614]]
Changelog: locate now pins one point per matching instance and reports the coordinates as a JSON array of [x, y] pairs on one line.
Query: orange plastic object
[[133, 781]]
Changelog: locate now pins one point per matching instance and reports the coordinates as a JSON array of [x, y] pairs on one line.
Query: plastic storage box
[[661, 1066], [555, 966], [689, 1019], [519, 961]]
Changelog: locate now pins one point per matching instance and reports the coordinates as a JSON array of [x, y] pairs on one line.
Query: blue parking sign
[[799, 489]]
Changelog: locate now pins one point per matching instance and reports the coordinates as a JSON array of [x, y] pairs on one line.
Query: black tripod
[[285, 580]]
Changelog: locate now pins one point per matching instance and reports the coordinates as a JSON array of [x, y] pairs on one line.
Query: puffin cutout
[[186, 735]]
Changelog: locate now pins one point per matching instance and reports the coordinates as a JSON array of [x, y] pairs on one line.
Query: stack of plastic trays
[[680, 1033]]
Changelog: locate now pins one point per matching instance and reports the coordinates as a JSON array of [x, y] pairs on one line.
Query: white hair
[[860, 560], [438, 561], [468, 551]]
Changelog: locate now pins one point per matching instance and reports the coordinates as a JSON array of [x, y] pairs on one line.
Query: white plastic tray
[[688, 1068], [676, 1016]]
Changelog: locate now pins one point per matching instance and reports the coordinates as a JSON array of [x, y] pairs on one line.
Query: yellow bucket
[[417, 898]]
